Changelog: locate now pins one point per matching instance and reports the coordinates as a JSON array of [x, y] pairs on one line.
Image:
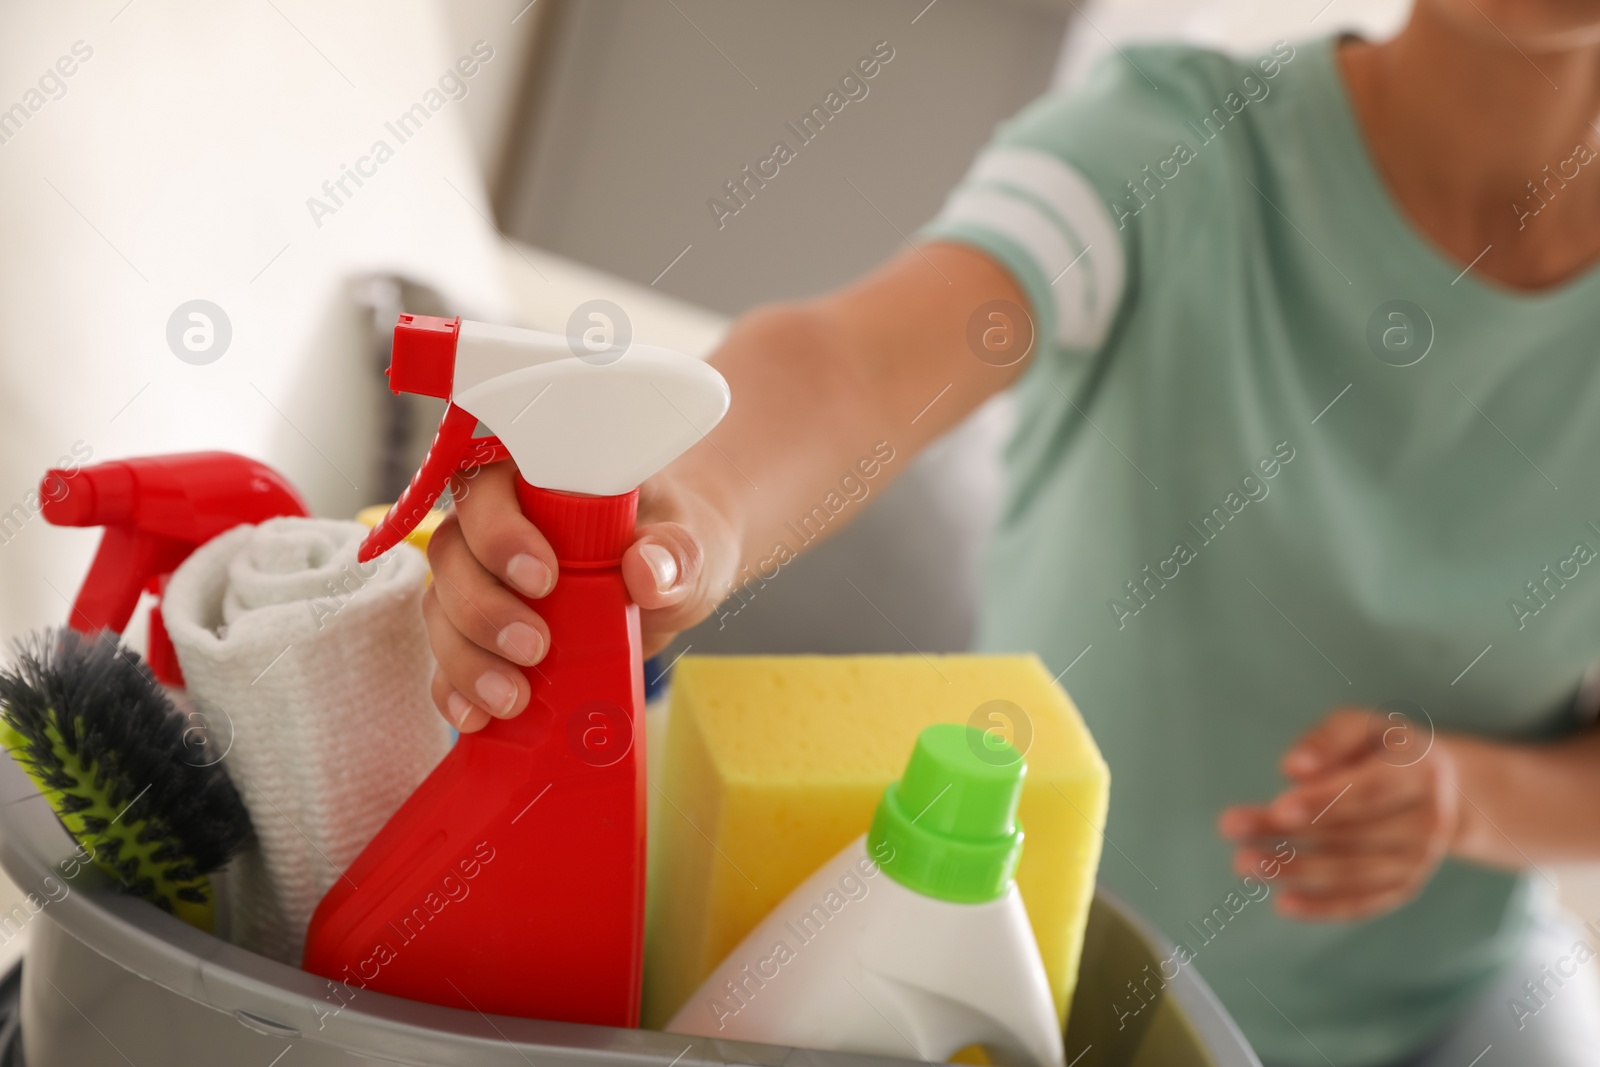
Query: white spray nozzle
[[598, 424]]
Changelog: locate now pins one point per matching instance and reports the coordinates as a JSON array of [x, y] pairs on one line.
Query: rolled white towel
[[321, 666]]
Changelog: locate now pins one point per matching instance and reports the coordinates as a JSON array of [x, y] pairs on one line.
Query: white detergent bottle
[[913, 941]]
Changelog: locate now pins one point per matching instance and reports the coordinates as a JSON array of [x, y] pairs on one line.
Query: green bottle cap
[[948, 828]]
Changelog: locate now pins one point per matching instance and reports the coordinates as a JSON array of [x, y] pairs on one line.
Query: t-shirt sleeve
[[1048, 197]]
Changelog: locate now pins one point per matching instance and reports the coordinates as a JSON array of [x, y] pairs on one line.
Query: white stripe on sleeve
[[1082, 260]]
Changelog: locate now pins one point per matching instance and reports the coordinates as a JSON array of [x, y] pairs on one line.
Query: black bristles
[[71, 803], [100, 703]]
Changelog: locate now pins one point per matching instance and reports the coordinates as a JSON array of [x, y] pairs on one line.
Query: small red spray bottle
[[156, 510], [512, 881]]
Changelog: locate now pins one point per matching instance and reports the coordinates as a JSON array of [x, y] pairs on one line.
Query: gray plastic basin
[[109, 980]]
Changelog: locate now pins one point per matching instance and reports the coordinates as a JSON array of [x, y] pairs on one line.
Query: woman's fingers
[[476, 603], [487, 559], [665, 572], [1412, 832], [457, 710], [662, 567], [1334, 884], [1245, 821], [1366, 834], [1360, 870], [500, 537], [1345, 735], [1371, 790], [1375, 856], [682, 561], [483, 679]]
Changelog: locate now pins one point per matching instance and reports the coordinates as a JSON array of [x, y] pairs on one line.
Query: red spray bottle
[[512, 881], [156, 510]]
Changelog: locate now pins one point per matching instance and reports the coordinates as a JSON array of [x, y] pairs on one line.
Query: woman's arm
[[1528, 804], [816, 386], [1374, 805]]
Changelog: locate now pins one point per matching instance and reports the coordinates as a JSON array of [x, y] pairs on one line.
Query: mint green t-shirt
[[1277, 454]]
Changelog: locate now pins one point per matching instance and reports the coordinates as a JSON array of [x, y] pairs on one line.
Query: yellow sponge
[[774, 764]]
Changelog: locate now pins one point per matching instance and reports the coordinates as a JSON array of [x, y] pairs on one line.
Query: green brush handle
[[110, 837]]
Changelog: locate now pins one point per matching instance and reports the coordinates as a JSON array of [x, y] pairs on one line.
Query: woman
[[1303, 347]]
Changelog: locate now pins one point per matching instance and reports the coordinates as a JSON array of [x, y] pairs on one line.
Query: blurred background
[[309, 170], [534, 156]]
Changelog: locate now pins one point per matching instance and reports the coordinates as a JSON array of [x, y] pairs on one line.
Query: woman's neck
[[1479, 142]]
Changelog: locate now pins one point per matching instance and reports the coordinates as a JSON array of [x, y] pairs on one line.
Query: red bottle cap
[[584, 531]]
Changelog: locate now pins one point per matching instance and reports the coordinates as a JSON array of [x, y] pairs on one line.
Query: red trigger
[[449, 450], [484, 451]]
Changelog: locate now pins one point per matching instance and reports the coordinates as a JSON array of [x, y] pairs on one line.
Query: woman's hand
[[1371, 810], [815, 384], [486, 556]]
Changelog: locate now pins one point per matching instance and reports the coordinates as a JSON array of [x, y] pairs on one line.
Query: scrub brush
[[105, 745]]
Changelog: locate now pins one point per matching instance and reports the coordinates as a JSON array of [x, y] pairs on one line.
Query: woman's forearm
[[833, 397], [1523, 805], [803, 412]]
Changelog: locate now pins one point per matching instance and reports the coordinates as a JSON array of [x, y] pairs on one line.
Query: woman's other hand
[[1371, 810]]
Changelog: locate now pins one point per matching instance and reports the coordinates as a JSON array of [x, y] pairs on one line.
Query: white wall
[[487, 111], [178, 164]]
